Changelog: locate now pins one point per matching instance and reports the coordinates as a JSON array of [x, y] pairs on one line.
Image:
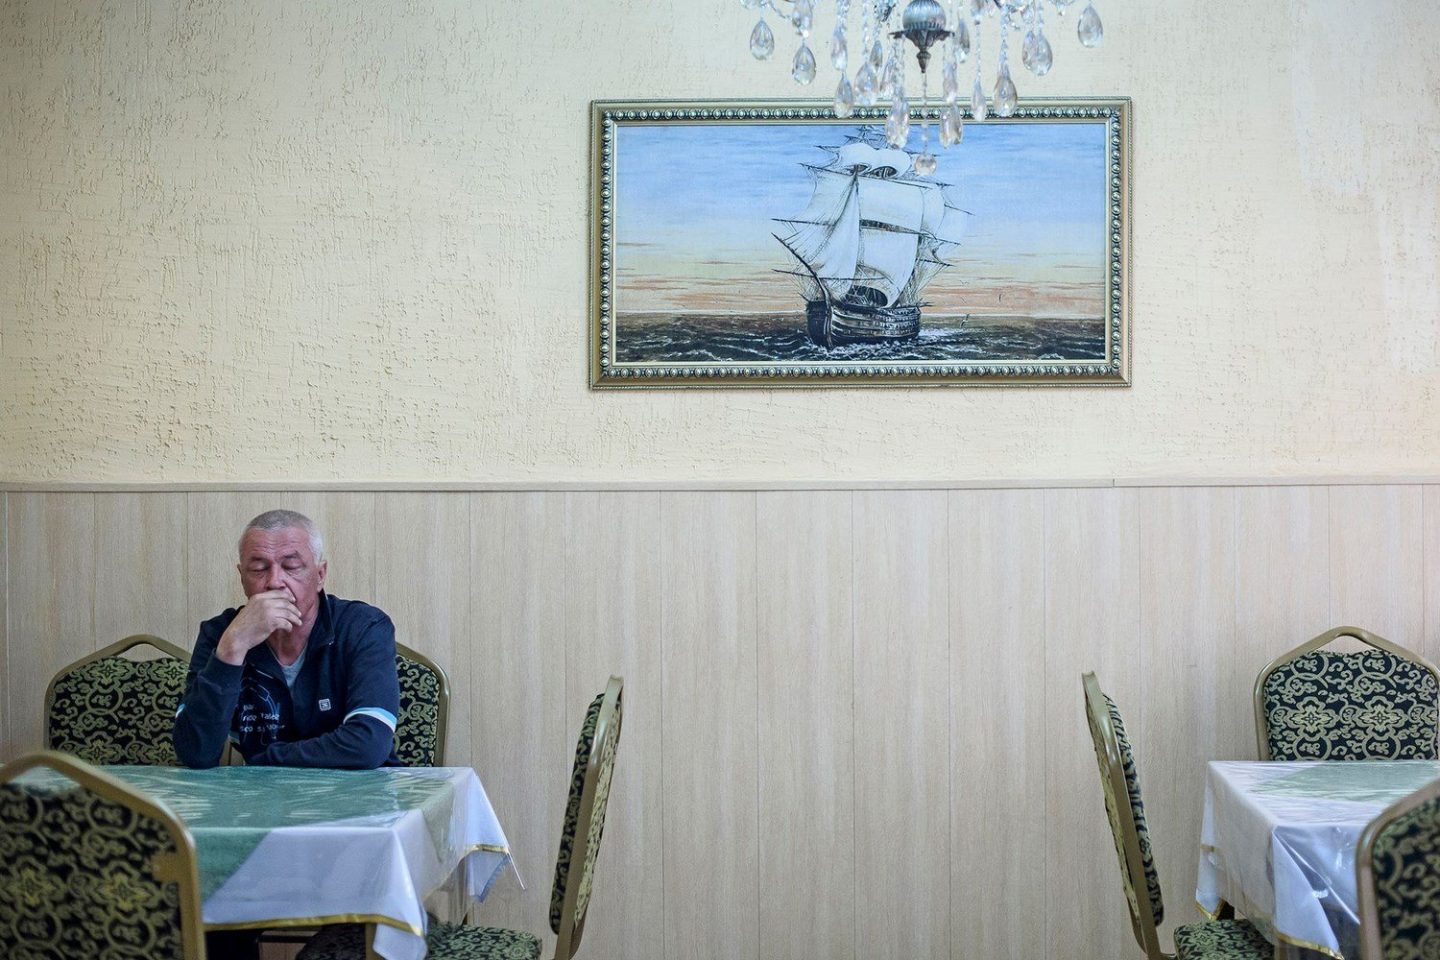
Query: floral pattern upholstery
[[1369, 705], [1405, 859], [597, 816], [568, 829], [117, 710], [1221, 940], [76, 879], [443, 941], [417, 729], [1137, 807]]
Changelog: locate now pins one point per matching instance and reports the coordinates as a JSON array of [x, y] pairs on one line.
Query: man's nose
[[273, 580]]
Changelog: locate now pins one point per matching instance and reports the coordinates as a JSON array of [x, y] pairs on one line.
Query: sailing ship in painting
[[874, 234]]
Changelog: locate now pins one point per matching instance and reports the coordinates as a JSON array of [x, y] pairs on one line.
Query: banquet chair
[[92, 868], [1374, 704], [108, 708], [1397, 863], [424, 706], [1120, 782], [570, 896]]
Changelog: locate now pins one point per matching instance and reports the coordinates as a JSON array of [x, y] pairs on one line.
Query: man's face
[[282, 560]]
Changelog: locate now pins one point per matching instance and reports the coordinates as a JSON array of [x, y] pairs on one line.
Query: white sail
[[932, 211], [832, 190], [835, 262], [894, 203], [953, 225], [830, 247], [860, 157], [886, 261]]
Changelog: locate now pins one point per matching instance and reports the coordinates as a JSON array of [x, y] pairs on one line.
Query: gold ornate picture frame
[[768, 243]]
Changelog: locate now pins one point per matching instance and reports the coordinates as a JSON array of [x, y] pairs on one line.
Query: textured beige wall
[[336, 241]]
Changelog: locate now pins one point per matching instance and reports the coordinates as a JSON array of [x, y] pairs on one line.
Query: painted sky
[[695, 205]]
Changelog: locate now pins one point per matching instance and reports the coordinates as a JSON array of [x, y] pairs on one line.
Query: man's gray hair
[[284, 520]]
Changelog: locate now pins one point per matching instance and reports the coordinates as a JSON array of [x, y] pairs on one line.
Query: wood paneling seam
[[1044, 682], [950, 723], [1044, 674], [660, 739], [1329, 558], [854, 731], [755, 612]]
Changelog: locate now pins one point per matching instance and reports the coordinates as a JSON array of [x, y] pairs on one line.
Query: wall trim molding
[[587, 486]]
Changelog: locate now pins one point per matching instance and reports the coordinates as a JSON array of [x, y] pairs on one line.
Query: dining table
[[285, 847], [1278, 842]]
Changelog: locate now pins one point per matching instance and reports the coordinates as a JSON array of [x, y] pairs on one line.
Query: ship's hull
[[831, 324]]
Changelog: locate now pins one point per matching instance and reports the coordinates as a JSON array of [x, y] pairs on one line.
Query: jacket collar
[[323, 633]]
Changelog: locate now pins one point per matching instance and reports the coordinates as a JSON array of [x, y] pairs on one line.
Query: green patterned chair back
[[424, 707], [108, 708], [1120, 784], [1397, 873], [1374, 704], [585, 818], [92, 868]]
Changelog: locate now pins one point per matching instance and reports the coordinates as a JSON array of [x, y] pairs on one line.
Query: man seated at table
[[295, 677]]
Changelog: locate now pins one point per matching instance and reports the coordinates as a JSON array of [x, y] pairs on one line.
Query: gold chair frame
[[611, 713], [180, 868], [167, 648], [442, 712], [1371, 947], [1102, 733], [1262, 727]]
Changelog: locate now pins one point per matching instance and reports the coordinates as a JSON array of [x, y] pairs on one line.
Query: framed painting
[[772, 244]]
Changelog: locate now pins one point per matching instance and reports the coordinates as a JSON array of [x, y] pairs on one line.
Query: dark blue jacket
[[341, 712]]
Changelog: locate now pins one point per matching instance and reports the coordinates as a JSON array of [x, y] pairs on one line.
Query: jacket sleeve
[[366, 736], [203, 721]]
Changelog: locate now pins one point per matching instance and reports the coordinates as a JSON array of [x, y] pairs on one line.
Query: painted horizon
[[700, 276]]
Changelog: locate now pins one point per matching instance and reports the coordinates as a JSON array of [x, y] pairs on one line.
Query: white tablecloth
[[281, 845], [1278, 842]]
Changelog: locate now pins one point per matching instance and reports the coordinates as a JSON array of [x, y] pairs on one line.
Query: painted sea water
[[781, 337]]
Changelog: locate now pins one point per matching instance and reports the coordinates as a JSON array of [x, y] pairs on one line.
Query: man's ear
[[324, 569]]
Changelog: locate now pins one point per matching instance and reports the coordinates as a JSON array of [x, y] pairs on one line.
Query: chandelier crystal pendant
[[879, 75]]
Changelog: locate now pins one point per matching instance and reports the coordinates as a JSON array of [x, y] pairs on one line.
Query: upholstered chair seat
[[1220, 940], [443, 941]]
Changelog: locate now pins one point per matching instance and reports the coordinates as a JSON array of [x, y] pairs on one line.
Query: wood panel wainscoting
[[854, 722]]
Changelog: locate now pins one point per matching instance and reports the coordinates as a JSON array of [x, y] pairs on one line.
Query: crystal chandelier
[[880, 75]]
